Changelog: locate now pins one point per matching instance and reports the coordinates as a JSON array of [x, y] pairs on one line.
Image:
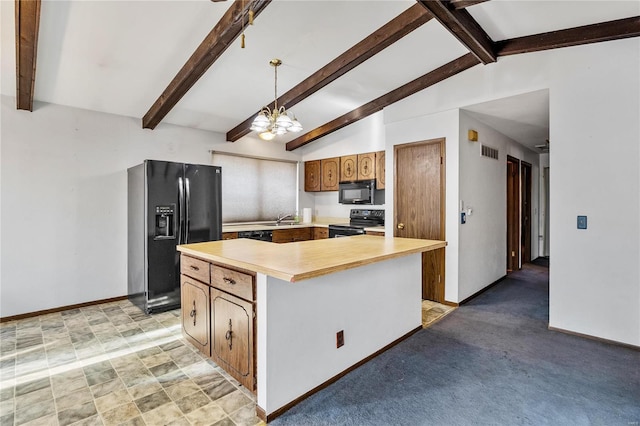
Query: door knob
[[401, 226]]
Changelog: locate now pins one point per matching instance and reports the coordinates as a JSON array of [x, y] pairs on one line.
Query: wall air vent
[[487, 151]]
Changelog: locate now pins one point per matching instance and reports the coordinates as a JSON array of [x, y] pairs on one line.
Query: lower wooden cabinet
[[195, 313], [320, 233], [377, 233], [229, 235], [291, 235], [232, 336], [218, 315]]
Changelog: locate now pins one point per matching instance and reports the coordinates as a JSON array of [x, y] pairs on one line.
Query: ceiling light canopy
[[270, 123]]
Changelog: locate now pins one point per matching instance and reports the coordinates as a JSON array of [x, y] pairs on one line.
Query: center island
[[285, 320]]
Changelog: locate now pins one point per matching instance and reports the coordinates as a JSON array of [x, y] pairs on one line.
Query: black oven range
[[359, 219]]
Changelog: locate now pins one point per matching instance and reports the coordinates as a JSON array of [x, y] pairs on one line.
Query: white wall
[[483, 188], [64, 198], [440, 125], [377, 304], [366, 135], [594, 128]]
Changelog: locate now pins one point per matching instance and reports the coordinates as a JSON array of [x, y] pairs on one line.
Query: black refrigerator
[[168, 204]]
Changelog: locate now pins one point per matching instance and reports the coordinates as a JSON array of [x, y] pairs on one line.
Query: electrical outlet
[[340, 338]]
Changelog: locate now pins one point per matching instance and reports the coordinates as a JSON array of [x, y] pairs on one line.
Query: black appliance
[[168, 204], [257, 235], [360, 192], [358, 220]]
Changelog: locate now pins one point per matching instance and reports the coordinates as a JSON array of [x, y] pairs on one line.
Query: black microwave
[[360, 192]]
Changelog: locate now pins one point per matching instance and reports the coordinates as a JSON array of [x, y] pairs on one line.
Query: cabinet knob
[[229, 281], [401, 226]]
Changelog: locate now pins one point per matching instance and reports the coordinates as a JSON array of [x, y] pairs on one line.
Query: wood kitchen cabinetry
[[380, 169], [229, 235], [348, 168], [218, 315], [312, 176], [195, 313], [330, 174], [367, 166], [326, 174], [291, 235], [320, 233]]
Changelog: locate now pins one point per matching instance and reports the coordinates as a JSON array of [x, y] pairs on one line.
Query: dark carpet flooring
[[490, 362]]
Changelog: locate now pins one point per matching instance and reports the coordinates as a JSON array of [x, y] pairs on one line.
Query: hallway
[[491, 361]]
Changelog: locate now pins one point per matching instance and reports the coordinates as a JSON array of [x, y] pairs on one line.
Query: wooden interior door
[[419, 198], [525, 209], [513, 214]]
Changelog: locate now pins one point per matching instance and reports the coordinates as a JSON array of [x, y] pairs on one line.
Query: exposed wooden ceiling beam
[[386, 35], [442, 73], [461, 4], [604, 31], [215, 43], [27, 27], [463, 27]]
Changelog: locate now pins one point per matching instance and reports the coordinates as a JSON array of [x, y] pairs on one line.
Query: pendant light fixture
[[269, 123]]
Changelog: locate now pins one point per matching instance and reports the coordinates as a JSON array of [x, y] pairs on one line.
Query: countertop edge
[[313, 273]]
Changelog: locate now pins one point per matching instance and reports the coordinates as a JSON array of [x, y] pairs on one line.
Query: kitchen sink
[[283, 223]]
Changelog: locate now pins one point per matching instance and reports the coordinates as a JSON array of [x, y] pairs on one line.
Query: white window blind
[[255, 189]]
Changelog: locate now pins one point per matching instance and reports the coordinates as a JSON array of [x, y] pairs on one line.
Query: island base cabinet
[[232, 326], [195, 313]]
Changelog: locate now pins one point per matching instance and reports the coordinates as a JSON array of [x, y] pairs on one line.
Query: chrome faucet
[[281, 218]]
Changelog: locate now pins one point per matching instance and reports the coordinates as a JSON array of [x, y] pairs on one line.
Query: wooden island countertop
[[307, 259]]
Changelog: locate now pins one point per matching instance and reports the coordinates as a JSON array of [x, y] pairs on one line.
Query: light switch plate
[[582, 222]]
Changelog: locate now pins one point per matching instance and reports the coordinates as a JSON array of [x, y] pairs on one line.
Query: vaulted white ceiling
[[118, 56]]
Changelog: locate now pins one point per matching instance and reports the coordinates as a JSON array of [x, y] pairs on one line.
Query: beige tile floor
[[432, 312], [110, 364]]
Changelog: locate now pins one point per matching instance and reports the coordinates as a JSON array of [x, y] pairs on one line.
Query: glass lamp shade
[[261, 122], [295, 126], [266, 135], [283, 121]]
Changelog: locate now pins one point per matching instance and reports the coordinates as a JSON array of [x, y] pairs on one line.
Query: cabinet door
[[348, 168], [195, 313], [320, 233], [330, 174], [367, 166], [380, 169], [312, 176], [291, 235], [232, 336]]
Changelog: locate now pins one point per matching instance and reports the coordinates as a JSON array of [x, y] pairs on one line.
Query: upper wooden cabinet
[[326, 174], [330, 174], [380, 169], [348, 168], [367, 166], [312, 176]]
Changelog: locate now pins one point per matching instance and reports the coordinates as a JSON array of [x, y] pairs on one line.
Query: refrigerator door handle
[[181, 208], [188, 201]]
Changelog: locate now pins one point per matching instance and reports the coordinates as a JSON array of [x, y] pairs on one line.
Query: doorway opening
[[519, 203]]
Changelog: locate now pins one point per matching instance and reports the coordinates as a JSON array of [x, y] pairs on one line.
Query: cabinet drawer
[[195, 268], [233, 282]]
